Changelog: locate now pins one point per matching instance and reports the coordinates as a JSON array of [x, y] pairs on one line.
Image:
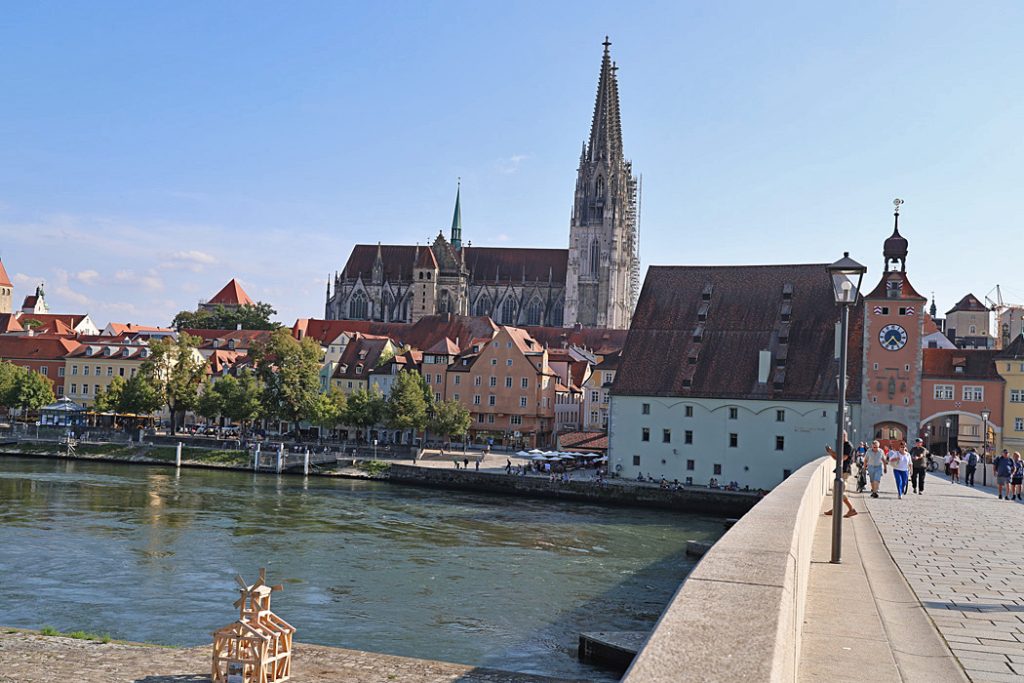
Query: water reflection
[[501, 582]]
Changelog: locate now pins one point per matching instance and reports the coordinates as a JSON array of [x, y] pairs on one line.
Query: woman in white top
[[899, 459], [954, 468]]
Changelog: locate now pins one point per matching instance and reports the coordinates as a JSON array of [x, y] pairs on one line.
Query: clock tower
[[893, 329]]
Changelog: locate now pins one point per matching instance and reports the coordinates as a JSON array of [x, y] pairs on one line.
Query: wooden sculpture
[[258, 647]]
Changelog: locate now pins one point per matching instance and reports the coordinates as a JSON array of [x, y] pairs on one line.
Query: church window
[[595, 257], [509, 311], [557, 318], [444, 304], [483, 305], [599, 189], [388, 309], [533, 312], [357, 306]]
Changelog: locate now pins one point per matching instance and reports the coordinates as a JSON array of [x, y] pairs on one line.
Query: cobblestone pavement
[[960, 549], [30, 658]]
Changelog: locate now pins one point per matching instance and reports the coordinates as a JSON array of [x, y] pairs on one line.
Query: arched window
[[534, 311], [444, 302], [599, 191], [357, 306], [557, 317], [595, 257], [509, 311], [388, 312], [483, 305]]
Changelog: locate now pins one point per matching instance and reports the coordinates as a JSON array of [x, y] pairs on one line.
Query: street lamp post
[[985, 414], [846, 277], [949, 426]]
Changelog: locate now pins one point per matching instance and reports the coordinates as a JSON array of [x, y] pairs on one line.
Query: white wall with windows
[[754, 443]]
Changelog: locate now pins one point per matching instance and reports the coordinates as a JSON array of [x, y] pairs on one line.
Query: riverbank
[[439, 474], [28, 657]]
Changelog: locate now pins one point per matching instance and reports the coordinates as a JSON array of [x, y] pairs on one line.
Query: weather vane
[[896, 204]]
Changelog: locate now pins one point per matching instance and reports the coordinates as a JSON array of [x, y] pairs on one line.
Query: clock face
[[893, 337]]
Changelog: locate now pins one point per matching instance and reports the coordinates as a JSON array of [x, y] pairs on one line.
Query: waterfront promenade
[[931, 588]]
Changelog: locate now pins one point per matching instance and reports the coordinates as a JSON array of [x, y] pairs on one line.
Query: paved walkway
[[961, 549]]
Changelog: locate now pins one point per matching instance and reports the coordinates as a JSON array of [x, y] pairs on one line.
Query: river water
[[145, 554]]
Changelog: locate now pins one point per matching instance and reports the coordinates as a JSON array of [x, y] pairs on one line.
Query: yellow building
[[1010, 366], [91, 367]]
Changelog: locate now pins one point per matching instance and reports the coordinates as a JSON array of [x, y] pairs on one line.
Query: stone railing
[[738, 616]]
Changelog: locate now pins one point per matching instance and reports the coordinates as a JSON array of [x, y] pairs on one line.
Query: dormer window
[[787, 291], [705, 295]]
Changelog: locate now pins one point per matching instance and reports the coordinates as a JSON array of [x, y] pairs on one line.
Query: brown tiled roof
[[443, 347], [930, 327], [787, 309], [578, 372], [486, 264], [610, 362], [232, 294], [326, 331], [48, 347], [243, 338], [52, 323], [976, 364], [968, 303], [426, 259], [502, 264], [907, 290], [360, 357], [599, 339], [1014, 351], [4, 279], [131, 328], [585, 441]]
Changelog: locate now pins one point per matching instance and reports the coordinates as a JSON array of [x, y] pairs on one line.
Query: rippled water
[[144, 554]]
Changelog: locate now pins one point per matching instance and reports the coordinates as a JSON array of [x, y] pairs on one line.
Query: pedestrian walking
[[1017, 478], [1002, 468], [919, 459], [877, 463], [946, 461], [846, 467], [477, 464], [899, 460], [954, 467], [970, 463]]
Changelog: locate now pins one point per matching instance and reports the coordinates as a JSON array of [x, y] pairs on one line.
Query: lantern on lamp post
[[846, 277]]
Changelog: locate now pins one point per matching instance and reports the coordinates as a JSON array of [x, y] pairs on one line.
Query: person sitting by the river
[[713, 484], [639, 476], [663, 484]]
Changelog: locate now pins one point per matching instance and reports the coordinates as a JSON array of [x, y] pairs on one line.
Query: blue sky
[[152, 151]]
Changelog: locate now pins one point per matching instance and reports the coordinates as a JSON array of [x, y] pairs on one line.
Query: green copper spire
[[457, 220]]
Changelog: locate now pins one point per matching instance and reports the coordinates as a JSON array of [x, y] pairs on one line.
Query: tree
[[9, 373], [139, 396], [210, 404], [290, 372], [175, 369], [241, 397], [449, 419], [408, 404], [249, 316], [109, 400], [329, 409], [32, 391], [365, 408]]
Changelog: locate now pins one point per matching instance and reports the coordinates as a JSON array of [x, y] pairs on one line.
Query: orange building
[[957, 385], [40, 353]]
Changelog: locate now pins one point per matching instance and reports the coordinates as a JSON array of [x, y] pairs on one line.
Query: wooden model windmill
[[258, 647]]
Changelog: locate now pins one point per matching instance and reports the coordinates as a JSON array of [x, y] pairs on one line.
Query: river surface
[[145, 554]]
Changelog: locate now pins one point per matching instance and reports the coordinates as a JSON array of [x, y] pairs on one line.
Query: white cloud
[[62, 291], [149, 280], [191, 259], [511, 164], [87, 277]]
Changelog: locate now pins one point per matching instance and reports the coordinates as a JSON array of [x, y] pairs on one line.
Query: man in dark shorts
[[970, 464], [847, 467], [1003, 469], [919, 460]]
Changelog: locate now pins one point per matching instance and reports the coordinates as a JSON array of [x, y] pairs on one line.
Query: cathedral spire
[[606, 129], [457, 219]]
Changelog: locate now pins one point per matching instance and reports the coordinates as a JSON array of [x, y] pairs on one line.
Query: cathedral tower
[[603, 276]]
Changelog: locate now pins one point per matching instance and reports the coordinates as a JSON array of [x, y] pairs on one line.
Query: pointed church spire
[[457, 219], [606, 128]]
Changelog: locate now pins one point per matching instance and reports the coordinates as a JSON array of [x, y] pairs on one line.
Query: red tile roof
[[4, 279], [974, 364], [443, 347], [36, 347], [1015, 350], [360, 357], [907, 290], [8, 324], [599, 339], [969, 303], [232, 295], [426, 259], [699, 331], [52, 323], [131, 328], [243, 338], [30, 301], [584, 441]]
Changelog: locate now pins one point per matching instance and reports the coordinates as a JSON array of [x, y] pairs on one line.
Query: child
[[954, 468]]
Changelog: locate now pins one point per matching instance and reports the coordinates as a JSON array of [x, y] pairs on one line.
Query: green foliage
[[365, 408], [210, 404], [79, 635], [250, 317], [290, 372], [140, 396], [241, 397], [329, 409], [449, 418], [24, 388], [175, 369], [408, 404], [375, 468], [109, 400]]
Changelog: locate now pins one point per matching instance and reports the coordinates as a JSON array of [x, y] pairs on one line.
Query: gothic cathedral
[[593, 283]]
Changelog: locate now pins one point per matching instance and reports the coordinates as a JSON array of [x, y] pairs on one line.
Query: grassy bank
[[202, 456]]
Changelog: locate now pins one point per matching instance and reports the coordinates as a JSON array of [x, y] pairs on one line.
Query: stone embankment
[[27, 657]]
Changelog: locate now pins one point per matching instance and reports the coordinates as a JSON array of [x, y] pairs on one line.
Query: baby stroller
[[862, 476]]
